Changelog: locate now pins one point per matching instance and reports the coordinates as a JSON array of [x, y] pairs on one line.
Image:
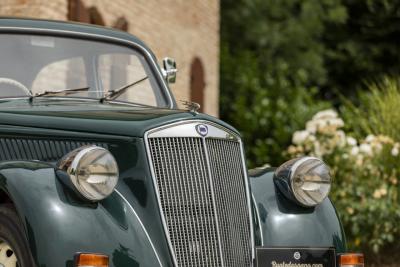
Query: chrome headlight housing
[[306, 180], [92, 170]]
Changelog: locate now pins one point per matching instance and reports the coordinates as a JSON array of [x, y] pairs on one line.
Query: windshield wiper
[[64, 92], [113, 94]]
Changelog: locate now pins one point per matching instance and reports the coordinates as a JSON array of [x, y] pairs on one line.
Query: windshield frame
[[150, 59]]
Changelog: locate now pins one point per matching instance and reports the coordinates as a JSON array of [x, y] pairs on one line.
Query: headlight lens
[[310, 181], [92, 170], [307, 179]]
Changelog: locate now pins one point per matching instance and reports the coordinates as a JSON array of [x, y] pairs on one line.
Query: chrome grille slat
[[204, 226], [189, 205], [226, 165], [201, 187]]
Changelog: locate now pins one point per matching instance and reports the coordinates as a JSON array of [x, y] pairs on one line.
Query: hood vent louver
[[39, 149]]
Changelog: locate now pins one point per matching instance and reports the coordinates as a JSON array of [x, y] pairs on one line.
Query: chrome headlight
[[307, 180], [92, 170]]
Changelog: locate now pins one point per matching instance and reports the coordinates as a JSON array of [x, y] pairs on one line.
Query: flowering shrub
[[366, 177]]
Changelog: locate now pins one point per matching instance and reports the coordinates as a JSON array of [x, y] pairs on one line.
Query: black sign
[[296, 257]]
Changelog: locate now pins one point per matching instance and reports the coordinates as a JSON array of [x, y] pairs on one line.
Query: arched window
[[77, 11], [95, 16], [121, 24], [197, 82]]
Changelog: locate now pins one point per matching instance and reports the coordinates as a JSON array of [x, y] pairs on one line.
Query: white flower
[[350, 210], [395, 151], [370, 138], [312, 126], [351, 141], [318, 151], [299, 137], [383, 191], [340, 138], [312, 138], [366, 149], [354, 150], [377, 194], [337, 122], [324, 126], [325, 114], [377, 146]]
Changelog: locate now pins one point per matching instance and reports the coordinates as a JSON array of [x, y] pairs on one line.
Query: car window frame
[[150, 59], [152, 80]]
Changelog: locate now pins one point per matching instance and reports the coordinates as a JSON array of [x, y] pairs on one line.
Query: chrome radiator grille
[[203, 198]]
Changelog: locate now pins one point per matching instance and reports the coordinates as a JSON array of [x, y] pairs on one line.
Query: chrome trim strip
[[146, 136], [246, 180], [141, 224], [147, 54], [258, 219], [187, 129]]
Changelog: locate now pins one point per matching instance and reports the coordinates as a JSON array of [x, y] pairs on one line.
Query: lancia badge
[[202, 129]]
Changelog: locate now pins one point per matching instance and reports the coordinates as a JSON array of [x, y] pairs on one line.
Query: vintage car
[[99, 167]]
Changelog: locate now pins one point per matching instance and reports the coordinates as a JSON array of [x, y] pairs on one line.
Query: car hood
[[89, 116]]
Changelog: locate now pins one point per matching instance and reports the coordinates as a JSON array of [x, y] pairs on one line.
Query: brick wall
[[180, 29], [44, 9]]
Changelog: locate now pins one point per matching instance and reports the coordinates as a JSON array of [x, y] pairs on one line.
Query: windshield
[[34, 64]]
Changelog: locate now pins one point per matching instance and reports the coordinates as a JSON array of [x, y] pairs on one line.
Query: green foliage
[[377, 112], [282, 32], [270, 56], [366, 181], [278, 56], [365, 47]]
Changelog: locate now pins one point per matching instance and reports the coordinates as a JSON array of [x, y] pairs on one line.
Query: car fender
[[58, 224], [282, 223]]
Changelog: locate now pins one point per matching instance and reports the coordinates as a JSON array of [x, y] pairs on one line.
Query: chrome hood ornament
[[192, 107]]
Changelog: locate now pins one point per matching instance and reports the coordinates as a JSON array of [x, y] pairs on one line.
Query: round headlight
[[92, 170], [307, 178]]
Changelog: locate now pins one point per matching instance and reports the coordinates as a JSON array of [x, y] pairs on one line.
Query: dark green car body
[[127, 226]]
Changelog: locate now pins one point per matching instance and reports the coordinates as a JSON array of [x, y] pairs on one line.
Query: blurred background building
[[185, 30]]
